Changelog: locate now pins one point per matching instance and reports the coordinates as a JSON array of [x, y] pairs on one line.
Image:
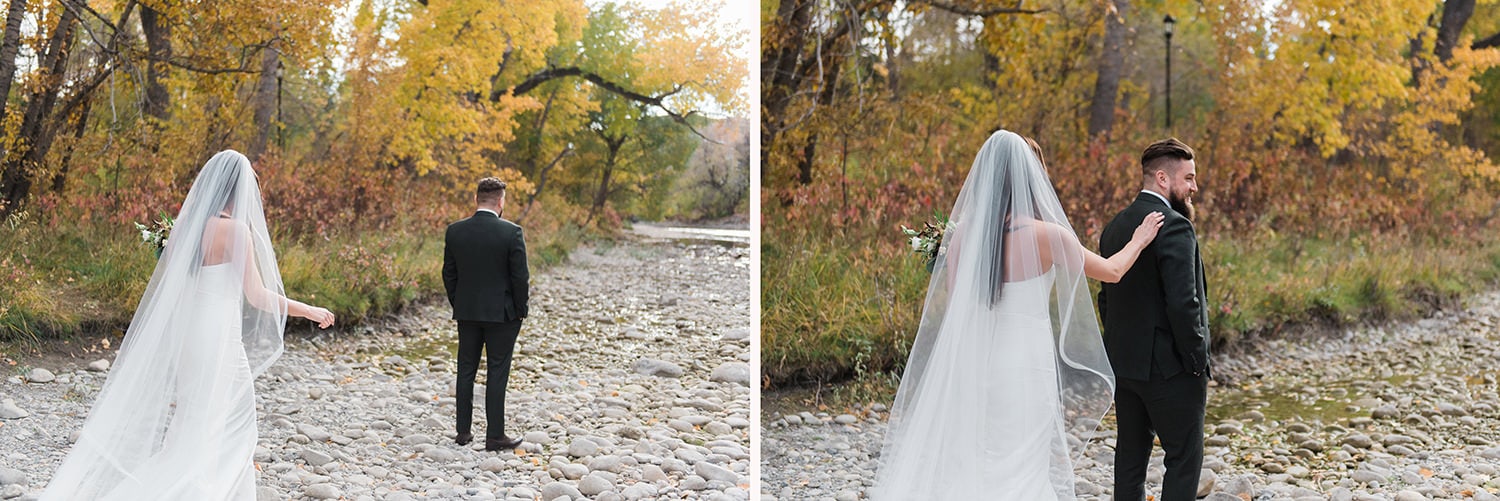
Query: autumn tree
[[717, 177], [342, 112]]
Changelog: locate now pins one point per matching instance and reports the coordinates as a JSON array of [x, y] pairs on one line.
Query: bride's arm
[[1111, 269], [268, 300]]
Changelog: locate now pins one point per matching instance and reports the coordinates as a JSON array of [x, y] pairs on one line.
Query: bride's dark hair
[[233, 178], [1003, 213], [228, 174]]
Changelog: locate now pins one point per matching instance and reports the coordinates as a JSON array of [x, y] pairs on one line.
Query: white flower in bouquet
[[927, 241], [156, 235]]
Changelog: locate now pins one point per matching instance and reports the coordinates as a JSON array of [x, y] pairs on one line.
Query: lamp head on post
[[1169, 21]]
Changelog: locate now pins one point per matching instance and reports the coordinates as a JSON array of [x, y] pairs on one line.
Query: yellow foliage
[[455, 53], [1415, 147], [1326, 58]]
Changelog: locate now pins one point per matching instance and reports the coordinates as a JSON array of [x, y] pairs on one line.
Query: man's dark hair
[[1160, 153], [490, 190]]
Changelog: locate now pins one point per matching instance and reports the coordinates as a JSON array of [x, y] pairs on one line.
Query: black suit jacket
[[484, 269], [1157, 315]]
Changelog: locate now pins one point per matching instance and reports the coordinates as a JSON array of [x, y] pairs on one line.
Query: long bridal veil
[[173, 411], [1007, 375]]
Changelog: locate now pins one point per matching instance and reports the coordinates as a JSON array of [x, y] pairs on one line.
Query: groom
[[1156, 330], [484, 271]]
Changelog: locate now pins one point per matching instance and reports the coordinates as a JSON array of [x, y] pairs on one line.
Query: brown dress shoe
[[502, 443], [464, 438]]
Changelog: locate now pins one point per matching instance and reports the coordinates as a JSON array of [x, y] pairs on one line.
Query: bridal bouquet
[[156, 234], [926, 241]]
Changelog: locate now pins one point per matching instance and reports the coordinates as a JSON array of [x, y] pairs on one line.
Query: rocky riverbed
[[631, 381], [1406, 411]]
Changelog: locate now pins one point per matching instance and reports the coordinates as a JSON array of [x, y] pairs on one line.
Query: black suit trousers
[[498, 339], [1169, 408]]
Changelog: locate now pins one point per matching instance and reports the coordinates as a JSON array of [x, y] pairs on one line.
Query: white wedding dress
[[1004, 385], [176, 419], [1007, 373], [208, 447]]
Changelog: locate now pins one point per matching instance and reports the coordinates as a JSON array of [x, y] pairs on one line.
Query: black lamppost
[[280, 129], [1169, 22]]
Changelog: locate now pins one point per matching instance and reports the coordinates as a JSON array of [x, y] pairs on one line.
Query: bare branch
[[186, 65], [500, 69], [1487, 42], [81, 7], [658, 101], [975, 11], [113, 46]]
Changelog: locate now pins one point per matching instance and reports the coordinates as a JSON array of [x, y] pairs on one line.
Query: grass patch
[[1262, 284], [60, 280], [548, 249], [830, 311], [836, 310]]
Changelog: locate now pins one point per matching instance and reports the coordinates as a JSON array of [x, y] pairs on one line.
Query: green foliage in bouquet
[[925, 242]]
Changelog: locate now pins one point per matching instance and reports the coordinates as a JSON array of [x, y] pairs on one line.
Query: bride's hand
[[1146, 232], [321, 316]]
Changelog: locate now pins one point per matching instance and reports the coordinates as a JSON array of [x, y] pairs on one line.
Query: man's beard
[[1183, 205]]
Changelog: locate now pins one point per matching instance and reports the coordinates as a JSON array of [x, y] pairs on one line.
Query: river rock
[[556, 490], [9, 410], [323, 491], [40, 375], [658, 368], [733, 372]]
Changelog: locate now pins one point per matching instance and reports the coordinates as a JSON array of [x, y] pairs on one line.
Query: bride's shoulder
[[226, 225], [1055, 230]]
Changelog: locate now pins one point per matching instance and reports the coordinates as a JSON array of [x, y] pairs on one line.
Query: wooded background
[[1344, 151], [368, 122]]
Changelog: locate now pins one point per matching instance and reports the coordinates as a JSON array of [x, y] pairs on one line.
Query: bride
[[1008, 370], [175, 419]]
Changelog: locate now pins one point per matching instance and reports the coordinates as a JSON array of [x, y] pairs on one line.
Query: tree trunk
[[892, 65], [266, 88], [60, 180], [602, 196], [541, 181], [158, 51], [1456, 14], [805, 163], [534, 153], [534, 169], [1418, 49], [32, 143], [778, 70], [831, 81], [1418, 63], [11, 44], [1111, 63]]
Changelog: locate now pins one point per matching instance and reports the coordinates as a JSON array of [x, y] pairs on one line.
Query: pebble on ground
[[1408, 411], [369, 416]]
